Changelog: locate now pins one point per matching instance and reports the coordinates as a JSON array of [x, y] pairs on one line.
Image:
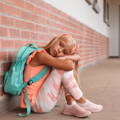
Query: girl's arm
[[74, 57], [44, 58]]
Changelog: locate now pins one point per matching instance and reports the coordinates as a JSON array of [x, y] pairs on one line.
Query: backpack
[[13, 81]]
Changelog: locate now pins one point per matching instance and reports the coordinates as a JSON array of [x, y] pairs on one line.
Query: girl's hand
[[74, 57], [76, 49]]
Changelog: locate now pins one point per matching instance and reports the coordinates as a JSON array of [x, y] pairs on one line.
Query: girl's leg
[[47, 96], [71, 86], [73, 89]]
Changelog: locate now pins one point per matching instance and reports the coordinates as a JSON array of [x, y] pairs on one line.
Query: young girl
[[62, 58]]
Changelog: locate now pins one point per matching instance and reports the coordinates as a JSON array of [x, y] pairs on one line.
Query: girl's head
[[61, 45]]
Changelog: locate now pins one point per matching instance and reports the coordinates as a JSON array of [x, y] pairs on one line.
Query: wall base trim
[[114, 56]]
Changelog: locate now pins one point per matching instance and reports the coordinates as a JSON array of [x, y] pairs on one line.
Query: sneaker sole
[[71, 114]]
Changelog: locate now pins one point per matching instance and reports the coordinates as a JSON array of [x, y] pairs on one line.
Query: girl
[[62, 58]]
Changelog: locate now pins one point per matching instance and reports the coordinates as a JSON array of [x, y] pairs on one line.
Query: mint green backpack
[[13, 79]]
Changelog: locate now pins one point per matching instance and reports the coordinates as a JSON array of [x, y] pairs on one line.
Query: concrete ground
[[100, 83]]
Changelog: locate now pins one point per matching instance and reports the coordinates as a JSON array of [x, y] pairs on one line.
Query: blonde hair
[[59, 37], [66, 36]]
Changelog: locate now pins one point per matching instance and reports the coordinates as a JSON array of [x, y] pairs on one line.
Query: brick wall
[[26, 21]]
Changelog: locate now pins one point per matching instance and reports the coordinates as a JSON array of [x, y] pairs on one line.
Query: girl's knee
[[66, 73], [59, 71], [62, 71]]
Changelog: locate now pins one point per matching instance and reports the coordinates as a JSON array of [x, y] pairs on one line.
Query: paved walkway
[[100, 83]]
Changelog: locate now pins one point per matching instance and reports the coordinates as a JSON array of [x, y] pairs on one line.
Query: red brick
[[3, 56], [7, 21], [29, 26], [9, 10], [26, 34], [19, 3], [29, 6], [19, 44], [7, 44], [0, 19], [14, 33], [3, 31], [29, 16]]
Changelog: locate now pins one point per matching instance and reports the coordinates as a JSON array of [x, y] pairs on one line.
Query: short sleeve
[[33, 54]]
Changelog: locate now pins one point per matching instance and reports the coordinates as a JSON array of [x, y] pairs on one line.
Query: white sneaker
[[75, 110], [90, 106]]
